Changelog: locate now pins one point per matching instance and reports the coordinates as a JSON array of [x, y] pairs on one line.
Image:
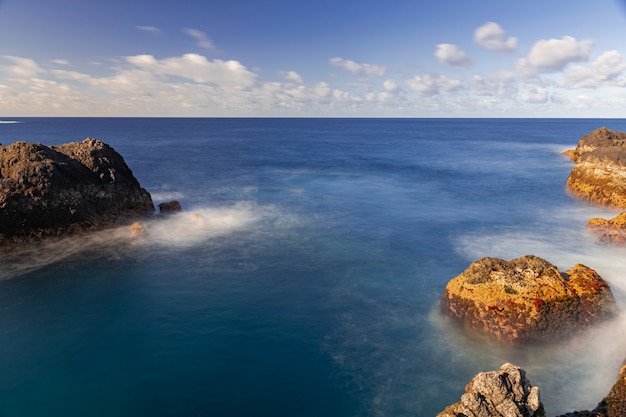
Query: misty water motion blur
[[304, 274]]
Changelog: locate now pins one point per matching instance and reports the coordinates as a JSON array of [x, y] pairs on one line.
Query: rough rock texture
[[50, 191], [610, 232], [171, 207], [527, 299], [599, 175], [503, 393]]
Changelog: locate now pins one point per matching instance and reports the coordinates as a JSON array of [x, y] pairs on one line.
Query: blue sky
[[462, 58]]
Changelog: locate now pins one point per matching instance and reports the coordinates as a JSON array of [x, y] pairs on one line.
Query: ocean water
[[304, 274]]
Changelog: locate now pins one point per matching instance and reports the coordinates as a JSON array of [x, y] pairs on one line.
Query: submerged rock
[[598, 176], [527, 299], [56, 190], [502, 393]]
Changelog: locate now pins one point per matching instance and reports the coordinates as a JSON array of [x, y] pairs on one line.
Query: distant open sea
[[313, 286]]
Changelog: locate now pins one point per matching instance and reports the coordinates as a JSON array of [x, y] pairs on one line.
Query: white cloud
[[607, 69], [149, 29], [535, 95], [492, 36], [428, 85], [60, 62], [391, 86], [203, 41], [357, 68], [293, 76], [23, 67], [322, 89], [231, 74], [450, 54], [70, 75], [553, 55], [499, 84]]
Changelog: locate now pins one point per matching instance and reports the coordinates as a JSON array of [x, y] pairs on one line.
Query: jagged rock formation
[[51, 191], [507, 392], [600, 170], [610, 232], [502, 393], [527, 299]]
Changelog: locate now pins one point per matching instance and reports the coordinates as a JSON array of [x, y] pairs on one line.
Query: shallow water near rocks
[[310, 284]]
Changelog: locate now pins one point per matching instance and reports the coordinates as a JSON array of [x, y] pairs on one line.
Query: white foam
[[181, 230], [190, 228]]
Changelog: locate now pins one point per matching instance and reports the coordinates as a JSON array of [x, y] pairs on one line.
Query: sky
[[322, 58]]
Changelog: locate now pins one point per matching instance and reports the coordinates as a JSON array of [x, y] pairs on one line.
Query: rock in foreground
[[527, 299], [598, 176], [51, 191], [502, 393]]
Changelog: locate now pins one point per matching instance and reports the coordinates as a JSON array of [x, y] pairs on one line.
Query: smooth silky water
[[304, 274]]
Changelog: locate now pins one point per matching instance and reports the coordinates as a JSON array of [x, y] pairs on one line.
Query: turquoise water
[[304, 274]]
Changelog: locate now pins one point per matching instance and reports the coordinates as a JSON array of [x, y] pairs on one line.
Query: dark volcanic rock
[[600, 169], [502, 393], [170, 207], [50, 191], [528, 299]]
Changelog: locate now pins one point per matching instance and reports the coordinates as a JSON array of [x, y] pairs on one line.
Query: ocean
[[303, 276]]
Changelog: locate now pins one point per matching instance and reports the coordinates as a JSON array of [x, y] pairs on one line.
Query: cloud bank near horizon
[[559, 76]]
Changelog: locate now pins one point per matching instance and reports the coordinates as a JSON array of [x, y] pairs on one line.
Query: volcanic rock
[[502, 393], [52, 191], [599, 175], [527, 299], [171, 207]]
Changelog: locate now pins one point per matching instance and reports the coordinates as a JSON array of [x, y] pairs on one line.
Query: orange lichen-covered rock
[[570, 153], [610, 232], [599, 175], [527, 299]]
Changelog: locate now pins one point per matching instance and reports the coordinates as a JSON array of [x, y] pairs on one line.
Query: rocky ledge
[[527, 299], [600, 170], [57, 190]]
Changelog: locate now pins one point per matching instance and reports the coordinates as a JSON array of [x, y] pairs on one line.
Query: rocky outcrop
[[52, 191], [610, 232], [599, 175], [502, 393], [527, 299], [507, 392]]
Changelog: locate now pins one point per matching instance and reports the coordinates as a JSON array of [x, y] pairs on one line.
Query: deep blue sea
[[304, 274]]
